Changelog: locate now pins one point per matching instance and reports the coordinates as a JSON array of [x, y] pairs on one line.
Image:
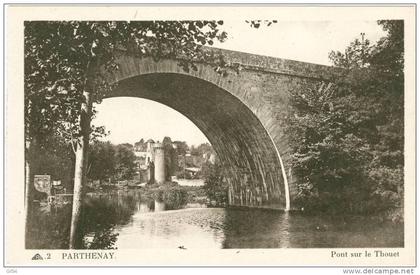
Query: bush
[[174, 197]]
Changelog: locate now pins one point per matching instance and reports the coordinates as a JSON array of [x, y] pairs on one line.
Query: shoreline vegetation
[[175, 196]]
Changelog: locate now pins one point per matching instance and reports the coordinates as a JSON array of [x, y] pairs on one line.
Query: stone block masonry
[[242, 115]]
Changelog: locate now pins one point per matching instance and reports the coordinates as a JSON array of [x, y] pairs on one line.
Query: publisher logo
[[37, 257]]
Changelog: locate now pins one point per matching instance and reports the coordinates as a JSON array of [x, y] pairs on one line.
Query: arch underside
[[246, 151]]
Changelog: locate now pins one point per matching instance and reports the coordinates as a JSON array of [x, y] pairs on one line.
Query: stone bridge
[[242, 115]]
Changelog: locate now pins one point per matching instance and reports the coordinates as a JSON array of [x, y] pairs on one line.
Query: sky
[[130, 119]]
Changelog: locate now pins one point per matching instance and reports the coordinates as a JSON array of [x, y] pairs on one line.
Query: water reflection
[[126, 219], [170, 229], [159, 206], [145, 207], [251, 228]]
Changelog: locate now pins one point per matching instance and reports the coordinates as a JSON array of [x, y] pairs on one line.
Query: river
[[138, 223]]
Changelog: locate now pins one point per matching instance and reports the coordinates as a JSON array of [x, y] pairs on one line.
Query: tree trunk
[[80, 169], [81, 161], [28, 188]]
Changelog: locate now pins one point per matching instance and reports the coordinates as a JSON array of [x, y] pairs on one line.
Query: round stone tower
[[159, 163]]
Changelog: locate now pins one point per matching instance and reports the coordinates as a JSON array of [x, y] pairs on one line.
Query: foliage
[[174, 197], [111, 161], [124, 162], [202, 149], [54, 79], [54, 157], [348, 138], [103, 239], [329, 157], [181, 148], [101, 162], [355, 56], [184, 174], [49, 230], [100, 214], [257, 23], [214, 185], [171, 158], [140, 145]]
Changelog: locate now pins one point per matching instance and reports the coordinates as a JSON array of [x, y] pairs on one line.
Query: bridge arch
[[220, 107]]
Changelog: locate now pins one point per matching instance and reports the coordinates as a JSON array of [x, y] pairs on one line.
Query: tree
[[101, 164], [111, 161], [382, 84], [181, 148], [124, 162], [128, 145], [55, 77], [204, 149], [348, 138], [329, 156], [171, 158], [140, 146]]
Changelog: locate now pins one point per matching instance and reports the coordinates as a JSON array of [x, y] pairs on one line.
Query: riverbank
[[174, 195]]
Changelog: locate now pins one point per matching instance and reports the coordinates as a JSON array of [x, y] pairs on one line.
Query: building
[[144, 153], [150, 160]]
